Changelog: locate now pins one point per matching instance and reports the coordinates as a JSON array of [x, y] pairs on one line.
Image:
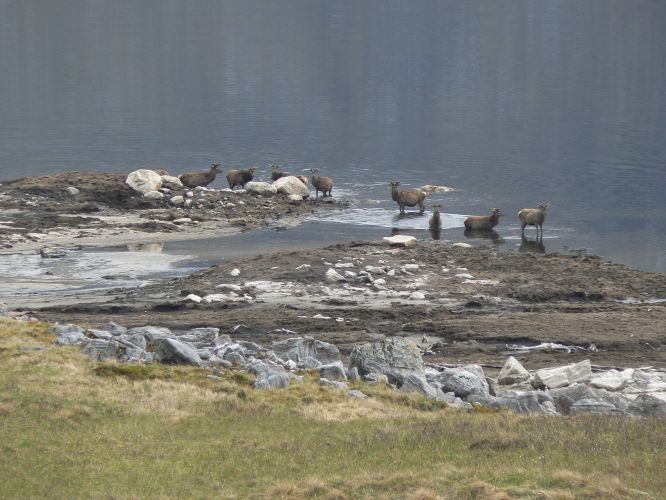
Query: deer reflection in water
[[531, 246], [484, 234]]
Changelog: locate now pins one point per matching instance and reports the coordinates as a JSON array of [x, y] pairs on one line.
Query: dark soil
[[526, 300]]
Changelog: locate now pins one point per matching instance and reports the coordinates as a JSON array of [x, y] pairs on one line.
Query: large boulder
[[269, 377], [531, 403], [463, 382], [302, 350], [512, 372], [594, 407], [291, 185], [262, 188], [144, 180], [174, 351], [419, 385], [151, 333], [611, 380], [333, 371], [562, 376], [647, 405], [394, 357], [566, 397]]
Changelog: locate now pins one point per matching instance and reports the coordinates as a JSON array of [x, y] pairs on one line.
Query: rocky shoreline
[[568, 390], [90, 208], [459, 306]]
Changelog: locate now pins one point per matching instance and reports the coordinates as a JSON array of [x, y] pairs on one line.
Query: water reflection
[[436, 233], [484, 234], [154, 247], [531, 246]]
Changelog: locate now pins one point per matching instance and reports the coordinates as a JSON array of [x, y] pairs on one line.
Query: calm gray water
[[511, 102]]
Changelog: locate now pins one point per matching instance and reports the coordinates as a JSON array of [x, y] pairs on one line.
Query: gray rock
[[353, 393], [72, 338], [333, 371], [593, 406], [136, 356], [67, 329], [204, 353], [173, 351], [177, 200], [563, 376], [152, 333], [99, 334], [235, 358], [377, 379], [352, 373], [647, 405], [394, 357], [269, 377], [529, 403], [72, 190], [611, 380], [512, 372], [463, 382], [417, 384], [137, 339], [114, 328], [333, 276], [335, 384], [565, 397], [215, 361], [300, 348], [262, 188]]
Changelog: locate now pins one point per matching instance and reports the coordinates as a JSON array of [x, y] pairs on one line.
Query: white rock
[[411, 267], [400, 240], [340, 265], [332, 274], [303, 266], [512, 372], [611, 380], [228, 286], [144, 180], [465, 276], [177, 200], [562, 376], [295, 197], [189, 194], [380, 282], [182, 220], [417, 296], [262, 188], [194, 298], [374, 269], [188, 203], [153, 195], [291, 185], [171, 180], [462, 245], [235, 272], [350, 274], [72, 190]]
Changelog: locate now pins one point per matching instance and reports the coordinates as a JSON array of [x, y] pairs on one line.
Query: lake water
[[510, 102]]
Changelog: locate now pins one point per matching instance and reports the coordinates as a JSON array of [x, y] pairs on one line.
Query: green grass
[[71, 428]]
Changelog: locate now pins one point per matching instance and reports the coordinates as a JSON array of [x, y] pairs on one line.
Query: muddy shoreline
[[478, 305], [467, 304]]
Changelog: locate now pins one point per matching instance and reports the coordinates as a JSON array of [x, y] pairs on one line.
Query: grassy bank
[[70, 428]]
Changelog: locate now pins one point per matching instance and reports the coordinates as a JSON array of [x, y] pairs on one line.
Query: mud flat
[[101, 210], [462, 305]]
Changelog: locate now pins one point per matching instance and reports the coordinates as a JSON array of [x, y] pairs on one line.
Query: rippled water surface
[[510, 102]]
